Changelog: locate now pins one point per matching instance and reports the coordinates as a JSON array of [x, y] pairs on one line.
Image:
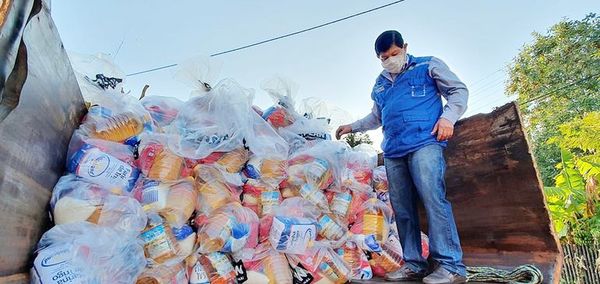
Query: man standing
[[416, 127]]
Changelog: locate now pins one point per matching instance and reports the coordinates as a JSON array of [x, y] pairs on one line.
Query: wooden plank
[[20, 278], [46, 105], [497, 196]]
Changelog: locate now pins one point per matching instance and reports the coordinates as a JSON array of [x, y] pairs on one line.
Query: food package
[[83, 252]]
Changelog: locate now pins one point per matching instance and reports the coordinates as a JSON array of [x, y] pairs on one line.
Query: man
[[416, 127]]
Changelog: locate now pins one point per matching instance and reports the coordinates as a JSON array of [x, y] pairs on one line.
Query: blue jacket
[[409, 105]]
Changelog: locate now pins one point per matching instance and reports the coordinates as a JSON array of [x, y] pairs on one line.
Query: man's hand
[[444, 129], [343, 129]]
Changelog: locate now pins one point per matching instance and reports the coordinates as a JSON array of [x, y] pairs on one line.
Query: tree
[[355, 139], [574, 202], [556, 79]]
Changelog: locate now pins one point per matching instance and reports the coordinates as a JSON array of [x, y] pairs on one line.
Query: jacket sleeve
[[370, 122], [452, 88]]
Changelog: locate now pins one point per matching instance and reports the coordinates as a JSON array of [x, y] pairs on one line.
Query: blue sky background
[[335, 63]]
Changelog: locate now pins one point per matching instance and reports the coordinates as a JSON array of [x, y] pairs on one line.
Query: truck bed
[[492, 181]]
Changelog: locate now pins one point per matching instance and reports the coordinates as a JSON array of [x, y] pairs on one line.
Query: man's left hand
[[444, 129]]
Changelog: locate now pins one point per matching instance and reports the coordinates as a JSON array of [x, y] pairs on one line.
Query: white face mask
[[394, 64]]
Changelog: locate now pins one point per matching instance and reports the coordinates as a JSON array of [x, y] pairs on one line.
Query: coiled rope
[[524, 274]]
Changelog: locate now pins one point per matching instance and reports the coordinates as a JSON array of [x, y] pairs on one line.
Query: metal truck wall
[[497, 196], [40, 105]]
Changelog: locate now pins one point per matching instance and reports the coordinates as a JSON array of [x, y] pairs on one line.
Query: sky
[[337, 63]]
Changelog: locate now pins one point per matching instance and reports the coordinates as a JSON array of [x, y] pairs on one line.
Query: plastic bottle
[[118, 127], [181, 202], [374, 223], [219, 268], [269, 201], [332, 271], [159, 243], [390, 257], [166, 166], [318, 172], [313, 194], [277, 268], [350, 252], [387, 260], [341, 203], [329, 228]]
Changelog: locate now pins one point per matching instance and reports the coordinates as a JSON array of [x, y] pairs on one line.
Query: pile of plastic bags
[[215, 190]]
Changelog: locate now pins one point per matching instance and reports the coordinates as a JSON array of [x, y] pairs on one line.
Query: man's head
[[388, 44]]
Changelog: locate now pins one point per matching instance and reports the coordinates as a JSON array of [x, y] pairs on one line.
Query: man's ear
[[405, 45]]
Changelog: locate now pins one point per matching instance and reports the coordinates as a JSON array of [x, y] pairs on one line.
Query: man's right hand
[[343, 129]]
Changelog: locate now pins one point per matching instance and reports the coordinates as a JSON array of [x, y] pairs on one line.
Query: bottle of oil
[[277, 268], [117, 128], [159, 243]]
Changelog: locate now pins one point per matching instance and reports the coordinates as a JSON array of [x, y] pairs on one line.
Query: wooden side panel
[[41, 105], [497, 196]]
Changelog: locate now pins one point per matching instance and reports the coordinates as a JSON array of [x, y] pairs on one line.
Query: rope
[[524, 274]]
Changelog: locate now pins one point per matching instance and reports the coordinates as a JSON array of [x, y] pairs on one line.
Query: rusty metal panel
[[497, 196], [40, 106]]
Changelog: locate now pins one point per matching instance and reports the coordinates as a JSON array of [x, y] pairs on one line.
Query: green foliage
[[557, 78], [574, 202], [355, 139]]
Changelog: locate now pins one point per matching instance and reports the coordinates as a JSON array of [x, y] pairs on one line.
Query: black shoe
[[404, 274], [443, 276]]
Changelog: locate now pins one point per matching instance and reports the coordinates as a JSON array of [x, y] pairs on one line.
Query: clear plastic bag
[[200, 72], [218, 266], [374, 218], [389, 259], [216, 188], [324, 265], [180, 202], [228, 229], [186, 238], [358, 172], [234, 161], [264, 265], [320, 165], [116, 118], [356, 260], [96, 75], [294, 226], [332, 230], [215, 122], [163, 110], [282, 92], [380, 182], [74, 200], [82, 252], [251, 192]]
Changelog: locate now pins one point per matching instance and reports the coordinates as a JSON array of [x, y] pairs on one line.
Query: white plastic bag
[[86, 253], [96, 75], [74, 200], [217, 121], [162, 109]]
